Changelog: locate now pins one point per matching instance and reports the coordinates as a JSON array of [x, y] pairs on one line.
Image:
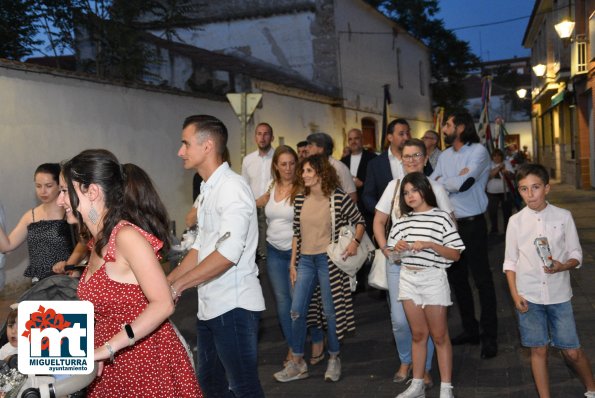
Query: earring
[[93, 215]]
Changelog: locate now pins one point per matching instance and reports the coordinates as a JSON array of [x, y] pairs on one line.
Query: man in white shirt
[[256, 169], [322, 144], [221, 264]]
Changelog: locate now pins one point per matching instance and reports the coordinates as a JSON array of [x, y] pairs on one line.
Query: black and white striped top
[[434, 225]]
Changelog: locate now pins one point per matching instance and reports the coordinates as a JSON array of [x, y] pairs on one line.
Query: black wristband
[[128, 329], [359, 242]]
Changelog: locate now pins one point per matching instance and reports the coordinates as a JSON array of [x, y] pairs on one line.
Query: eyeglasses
[[415, 156]]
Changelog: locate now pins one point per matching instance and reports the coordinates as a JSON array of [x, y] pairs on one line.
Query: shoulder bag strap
[[392, 206], [332, 207]]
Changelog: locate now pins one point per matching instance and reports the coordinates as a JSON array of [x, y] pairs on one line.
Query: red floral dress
[[157, 365]]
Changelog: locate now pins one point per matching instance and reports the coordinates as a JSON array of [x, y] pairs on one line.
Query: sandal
[[317, 359]]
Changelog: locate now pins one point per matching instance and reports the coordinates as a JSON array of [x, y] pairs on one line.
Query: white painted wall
[[283, 40], [369, 61], [45, 118]]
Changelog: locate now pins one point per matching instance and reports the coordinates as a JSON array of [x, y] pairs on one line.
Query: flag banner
[[385, 116]]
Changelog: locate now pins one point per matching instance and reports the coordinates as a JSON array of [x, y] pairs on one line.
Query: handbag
[[377, 276], [351, 264]]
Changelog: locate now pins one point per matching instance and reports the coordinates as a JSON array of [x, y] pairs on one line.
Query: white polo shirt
[[227, 223]]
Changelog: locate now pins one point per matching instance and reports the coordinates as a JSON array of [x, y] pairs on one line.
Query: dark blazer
[[361, 169], [377, 178]]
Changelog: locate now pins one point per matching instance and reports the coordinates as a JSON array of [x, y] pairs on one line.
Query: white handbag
[[351, 264], [377, 276]]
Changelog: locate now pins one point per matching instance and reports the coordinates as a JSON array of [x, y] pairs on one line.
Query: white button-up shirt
[[396, 166], [256, 169], [521, 254], [227, 223]]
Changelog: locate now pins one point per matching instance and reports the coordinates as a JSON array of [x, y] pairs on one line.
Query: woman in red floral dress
[[139, 352]]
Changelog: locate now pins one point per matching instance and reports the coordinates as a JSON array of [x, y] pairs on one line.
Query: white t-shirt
[[354, 163], [279, 222], [344, 174], [384, 203]]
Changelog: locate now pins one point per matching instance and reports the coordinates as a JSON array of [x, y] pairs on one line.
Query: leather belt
[[469, 219]]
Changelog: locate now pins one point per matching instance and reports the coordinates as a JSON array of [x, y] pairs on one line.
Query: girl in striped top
[[428, 242]]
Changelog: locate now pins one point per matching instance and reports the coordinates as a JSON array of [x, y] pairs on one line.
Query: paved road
[[369, 355]]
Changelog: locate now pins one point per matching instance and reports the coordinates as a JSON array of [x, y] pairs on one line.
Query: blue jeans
[[227, 355], [401, 330], [312, 271], [278, 269]]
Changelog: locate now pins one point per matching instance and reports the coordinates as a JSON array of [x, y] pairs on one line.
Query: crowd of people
[[423, 205]]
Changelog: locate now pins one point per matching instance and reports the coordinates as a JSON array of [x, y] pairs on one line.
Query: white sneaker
[[292, 371], [590, 394], [416, 389], [333, 370], [446, 392]]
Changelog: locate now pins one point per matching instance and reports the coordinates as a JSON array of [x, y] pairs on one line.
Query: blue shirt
[[476, 158]]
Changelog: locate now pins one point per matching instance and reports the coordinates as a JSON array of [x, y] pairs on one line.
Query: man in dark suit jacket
[[359, 158], [386, 166], [357, 163]]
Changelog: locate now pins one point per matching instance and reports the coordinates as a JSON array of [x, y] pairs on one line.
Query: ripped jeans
[[312, 270]]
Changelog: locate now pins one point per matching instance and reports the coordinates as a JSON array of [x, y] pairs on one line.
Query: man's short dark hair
[[322, 140], [535, 169], [391, 126], [302, 144], [469, 134], [209, 126]]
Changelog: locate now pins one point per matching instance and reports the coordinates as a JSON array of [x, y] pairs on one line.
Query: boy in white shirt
[[542, 294]]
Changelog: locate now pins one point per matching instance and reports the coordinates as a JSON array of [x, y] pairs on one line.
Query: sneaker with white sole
[[590, 394], [333, 370], [416, 389], [446, 392], [292, 371]]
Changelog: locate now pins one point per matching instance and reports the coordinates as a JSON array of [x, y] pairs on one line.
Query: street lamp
[[564, 29], [539, 70], [522, 93]]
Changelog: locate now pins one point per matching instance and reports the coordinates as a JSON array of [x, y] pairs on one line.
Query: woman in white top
[[414, 159], [278, 208]]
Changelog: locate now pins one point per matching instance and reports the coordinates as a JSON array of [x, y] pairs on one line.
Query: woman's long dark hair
[[128, 191], [422, 184]]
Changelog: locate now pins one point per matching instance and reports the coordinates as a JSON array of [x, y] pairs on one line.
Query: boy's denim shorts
[[551, 323]]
